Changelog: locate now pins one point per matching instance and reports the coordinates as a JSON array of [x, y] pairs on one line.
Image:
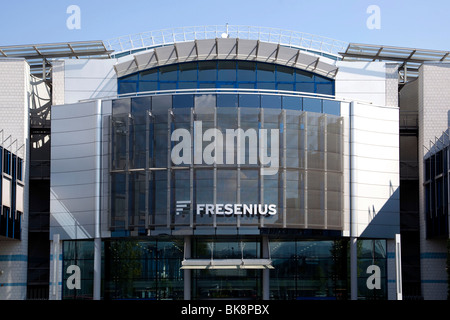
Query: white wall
[[364, 81], [434, 118], [83, 79], [371, 164], [14, 120]]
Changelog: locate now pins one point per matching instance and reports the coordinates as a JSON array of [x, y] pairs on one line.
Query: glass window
[[204, 193], [312, 105], [127, 87], [149, 75], [271, 101], [161, 104], [188, 71], [227, 100], [266, 85], [19, 169], [245, 85], [207, 71], [266, 72], [304, 87], [303, 76], [121, 106], [131, 77], [148, 86], [159, 197], [187, 85], [325, 88], [249, 100], [227, 71], [285, 74], [246, 71], [285, 86], [118, 205], [292, 103], [207, 85], [167, 85], [182, 195], [136, 199], [168, 73], [139, 107], [203, 101], [183, 101], [332, 107]]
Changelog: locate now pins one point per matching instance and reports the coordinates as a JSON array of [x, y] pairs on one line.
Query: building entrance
[[227, 284]]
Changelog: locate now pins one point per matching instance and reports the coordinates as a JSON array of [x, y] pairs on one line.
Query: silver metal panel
[[6, 192], [145, 60], [267, 51], [306, 61], [247, 49], [226, 48], [287, 54], [126, 67], [219, 48], [186, 50], [166, 55], [206, 49], [19, 198], [72, 199]]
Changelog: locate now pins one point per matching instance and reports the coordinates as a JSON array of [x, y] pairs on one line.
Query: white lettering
[[374, 20], [374, 280], [74, 20], [74, 281], [213, 153], [237, 209]]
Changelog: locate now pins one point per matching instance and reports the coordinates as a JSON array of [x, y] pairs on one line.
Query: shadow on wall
[[385, 222], [439, 143]]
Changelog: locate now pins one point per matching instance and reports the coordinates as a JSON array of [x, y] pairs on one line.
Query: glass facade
[[12, 178], [151, 190], [149, 269], [171, 154], [225, 74], [436, 194]]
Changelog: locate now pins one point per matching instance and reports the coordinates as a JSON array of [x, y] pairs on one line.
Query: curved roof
[[226, 48], [130, 44]]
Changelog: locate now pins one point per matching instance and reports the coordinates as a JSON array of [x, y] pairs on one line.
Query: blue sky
[[418, 24]]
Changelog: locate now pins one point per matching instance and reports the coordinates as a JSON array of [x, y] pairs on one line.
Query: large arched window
[[225, 74]]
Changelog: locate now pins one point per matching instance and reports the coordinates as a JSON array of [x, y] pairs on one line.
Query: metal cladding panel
[[306, 61], [146, 60], [226, 48], [267, 51], [19, 198], [207, 48], [74, 163], [186, 50], [247, 49], [126, 67], [287, 54], [166, 55], [6, 192]]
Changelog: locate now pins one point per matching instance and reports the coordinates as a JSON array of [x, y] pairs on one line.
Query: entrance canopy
[[227, 264]]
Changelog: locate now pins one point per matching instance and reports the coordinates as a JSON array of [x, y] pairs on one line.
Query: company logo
[[220, 148], [237, 209]]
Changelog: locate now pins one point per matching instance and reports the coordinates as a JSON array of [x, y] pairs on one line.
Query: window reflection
[[307, 188], [225, 74]]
